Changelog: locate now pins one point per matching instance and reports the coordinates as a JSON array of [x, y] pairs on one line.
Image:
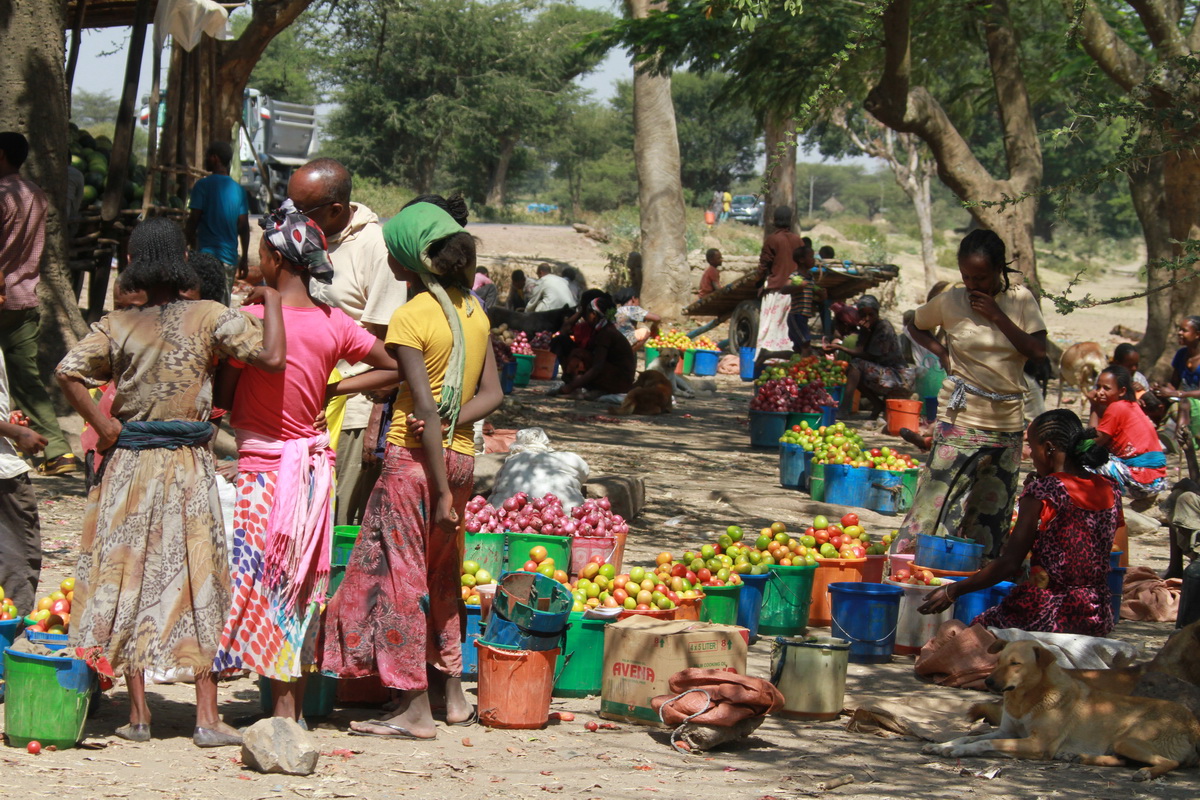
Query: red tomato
[[851, 519], [34, 747]]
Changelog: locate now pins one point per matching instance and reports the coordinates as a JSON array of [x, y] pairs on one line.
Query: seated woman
[[877, 368], [1066, 521], [605, 364], [631, 315], [1137, 464]]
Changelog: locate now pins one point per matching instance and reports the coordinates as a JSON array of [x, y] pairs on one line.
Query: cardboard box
[[641, 654]]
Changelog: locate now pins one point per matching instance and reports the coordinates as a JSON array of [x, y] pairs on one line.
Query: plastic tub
[[1116, 586], [884, 491], [908, 488], [580, 667], [929, 383], [689, 361], [831, 570], [46, 699], [502, 632], [584, 547], [914, 629], [721, 604], [746, 362], [816, 482], [811, 675], [545, 363], [532, 601], [750, 603], [872, 572], [846, 485], [320, 692], [689, 608], [515, 687], [948, 553], [487, 550], [866, 615], [794, 418], [1000, 591], [337, 574], [970, 605], [53, 641], [828, 415], [787, 598], [766, 427], [899, 561], [524, 369], [519, 545], [508, 375], [344, 537], [8, 634], [651, 355], [791, 465], [704, 363], [903, 414], [470, 654]]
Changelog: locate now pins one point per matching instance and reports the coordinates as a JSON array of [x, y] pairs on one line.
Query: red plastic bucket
[[544, 363], [515, 686], [584, 547], [903, 414]]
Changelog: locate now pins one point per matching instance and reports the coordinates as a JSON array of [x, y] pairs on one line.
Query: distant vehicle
[[282, 134], [747, 208], [541, 208]]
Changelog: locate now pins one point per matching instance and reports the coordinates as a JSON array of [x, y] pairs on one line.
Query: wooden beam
[[152, 145], [73, 56], [118, 165]]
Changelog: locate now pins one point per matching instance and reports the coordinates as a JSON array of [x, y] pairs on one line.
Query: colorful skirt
[[152, 584], [1134, 485], [967, 489], [773, 322], [261, 632], [398, 606], [1082, 610]]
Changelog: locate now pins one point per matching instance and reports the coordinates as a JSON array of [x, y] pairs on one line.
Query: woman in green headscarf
[[397, 609]]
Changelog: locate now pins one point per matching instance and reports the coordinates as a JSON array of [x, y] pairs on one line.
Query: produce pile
[[8, 609], [786, 395], [544, 515], [918, 576], [840, 444], [541, 340], [90, 155], [671, 339], [52, 613], [474, 576], [809, 369]]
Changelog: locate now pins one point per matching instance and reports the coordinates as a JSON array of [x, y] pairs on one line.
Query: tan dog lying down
[[1048, 715], [655, 389]]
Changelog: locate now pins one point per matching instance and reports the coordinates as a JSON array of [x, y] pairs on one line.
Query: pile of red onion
[[784, 394], [544, 515]]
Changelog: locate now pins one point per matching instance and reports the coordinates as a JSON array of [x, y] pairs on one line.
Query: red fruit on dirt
[[34, 747], [592, 727]]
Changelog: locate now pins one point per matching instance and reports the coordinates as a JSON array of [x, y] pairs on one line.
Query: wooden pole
[[73, 56], [152, 145], [118, 165]]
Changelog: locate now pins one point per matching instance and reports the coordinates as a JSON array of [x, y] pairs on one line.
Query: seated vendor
[[631, 316], [877, 368], [605, 363]]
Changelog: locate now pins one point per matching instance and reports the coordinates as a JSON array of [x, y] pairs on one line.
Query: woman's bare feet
[[413, 720], [458, 708]]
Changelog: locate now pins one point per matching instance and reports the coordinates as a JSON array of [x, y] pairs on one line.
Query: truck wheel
[[743, 325]]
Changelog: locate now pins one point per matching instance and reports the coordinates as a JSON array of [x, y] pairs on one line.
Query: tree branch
[[1016, 116], [1112, 54], [268, 18], [1163, 31]]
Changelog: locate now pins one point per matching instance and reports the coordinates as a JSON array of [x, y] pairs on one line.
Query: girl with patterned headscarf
[[282, 538], [397, 609]]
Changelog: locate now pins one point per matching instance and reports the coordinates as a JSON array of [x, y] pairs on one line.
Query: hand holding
[[985, 306]]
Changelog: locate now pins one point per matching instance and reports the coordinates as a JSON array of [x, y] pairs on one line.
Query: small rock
[[1139, 524], [279, 746]]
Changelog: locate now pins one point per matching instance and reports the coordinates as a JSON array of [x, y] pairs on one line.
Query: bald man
[[363, 286]]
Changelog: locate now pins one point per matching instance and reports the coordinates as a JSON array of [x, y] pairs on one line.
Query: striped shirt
[[22, 238]]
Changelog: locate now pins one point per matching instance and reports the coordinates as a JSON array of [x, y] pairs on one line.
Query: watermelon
[[90, 194]]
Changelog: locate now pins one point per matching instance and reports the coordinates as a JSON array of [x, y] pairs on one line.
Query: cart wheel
[[743, 325]]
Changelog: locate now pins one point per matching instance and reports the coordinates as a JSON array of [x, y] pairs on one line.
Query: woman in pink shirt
[[283, 517]]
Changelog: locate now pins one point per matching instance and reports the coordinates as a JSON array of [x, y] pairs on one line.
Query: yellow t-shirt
[[982, 355], [421, 325]]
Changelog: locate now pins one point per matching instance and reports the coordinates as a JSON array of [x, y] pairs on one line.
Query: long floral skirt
[[261, 632], [967, 488], [398, 606], [152, 584]]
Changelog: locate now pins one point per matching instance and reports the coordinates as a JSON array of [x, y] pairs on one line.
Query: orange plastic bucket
[[831, 570], [710, 218], [1120, 542], [903, 414], [515, 686], [544, 362], [688, 608]]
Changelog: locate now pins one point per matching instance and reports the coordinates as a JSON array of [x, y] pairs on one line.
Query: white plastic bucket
[[810, 672], [914, 629]]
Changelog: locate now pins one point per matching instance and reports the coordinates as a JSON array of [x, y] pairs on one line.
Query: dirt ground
[[700, 477]]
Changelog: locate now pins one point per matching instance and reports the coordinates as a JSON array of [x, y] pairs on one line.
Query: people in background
[[552, 291], [484, 288], [1184, 387], [826, 254], [633, 265], [630, 316], [726, 204], [606, 363], [220, 215], [805, 298], [518, 295], [877, 367], [1137, 463], [576, 281], [710, 280], [20, 527], [776, 264]]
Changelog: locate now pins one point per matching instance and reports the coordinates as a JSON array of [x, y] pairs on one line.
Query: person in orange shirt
[[710, 281]]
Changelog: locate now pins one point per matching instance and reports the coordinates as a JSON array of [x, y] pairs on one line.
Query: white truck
[[281, 137]]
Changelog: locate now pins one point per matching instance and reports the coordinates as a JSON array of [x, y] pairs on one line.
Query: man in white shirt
[[363, 286], [20, 531], [552, 292]]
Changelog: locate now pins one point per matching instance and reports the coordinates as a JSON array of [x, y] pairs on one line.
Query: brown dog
[[654, 391], [1050, 715], [1079, 366]]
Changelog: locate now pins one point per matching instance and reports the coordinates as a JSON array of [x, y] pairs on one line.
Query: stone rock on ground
[[1139, 524], [627, 494], [281, 746]]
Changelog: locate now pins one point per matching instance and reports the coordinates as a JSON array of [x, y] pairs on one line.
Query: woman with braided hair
[[1067, 518], [397, 610], [605, 362]]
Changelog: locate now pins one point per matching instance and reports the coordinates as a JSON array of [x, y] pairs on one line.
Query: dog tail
[[623, 410]]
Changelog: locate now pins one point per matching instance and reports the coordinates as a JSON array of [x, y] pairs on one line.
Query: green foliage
[[289, 68], [93, 108]]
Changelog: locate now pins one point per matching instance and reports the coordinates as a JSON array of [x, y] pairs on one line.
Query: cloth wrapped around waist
[[164, 434], [1155, 459]]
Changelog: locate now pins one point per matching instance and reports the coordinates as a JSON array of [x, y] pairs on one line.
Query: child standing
[[1137, 462], [283, 517], [152, 585], [397, 609], [1066, 521], [20, 531]]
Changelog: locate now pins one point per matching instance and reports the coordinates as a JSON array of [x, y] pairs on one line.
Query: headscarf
[[299, 240], [408, 236], [604, 306]]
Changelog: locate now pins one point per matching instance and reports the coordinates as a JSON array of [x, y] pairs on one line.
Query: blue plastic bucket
[[791, 466], [750, 603], [948, 553], [846, 485], [532, 601], [766, 427], [1000, 591], [704, 363], [929, 408], [8, 634], [746, 362], [508, 377], [470, 653], [865, 615], [836, 392], [505, 633], [806, 478], [828, 415], [1116, 585], [1114, 561], [885, 490], [970, 605]]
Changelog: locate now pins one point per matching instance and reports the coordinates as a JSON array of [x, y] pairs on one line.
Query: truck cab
[[277, 138]]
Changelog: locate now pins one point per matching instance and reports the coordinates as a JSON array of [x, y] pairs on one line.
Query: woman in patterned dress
[[152, 585], [1066, 522]]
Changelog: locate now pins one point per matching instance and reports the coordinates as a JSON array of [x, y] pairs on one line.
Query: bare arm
[[107, 428], [488, 396], [27, 440], [273, 355], [1030, 345], [243, 229], [926, 340], [385, 375], [412, 362], [190, 227]]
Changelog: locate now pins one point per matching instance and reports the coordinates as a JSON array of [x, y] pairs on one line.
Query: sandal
[[400, 733], [206, 737], [134, 732]]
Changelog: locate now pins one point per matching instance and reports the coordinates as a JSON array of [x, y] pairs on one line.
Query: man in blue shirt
[[219, 215]]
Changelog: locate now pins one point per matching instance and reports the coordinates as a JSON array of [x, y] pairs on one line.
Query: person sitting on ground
[[631, 315], [518, 295], [710, 281], [1066, 521], [1137, 463], [1127, 356], [552, 292], [484, 288], [606, 364], [877, 369]]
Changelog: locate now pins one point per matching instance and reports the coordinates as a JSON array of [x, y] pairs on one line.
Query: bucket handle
[[856, 640], [790, 593], [895, 490]]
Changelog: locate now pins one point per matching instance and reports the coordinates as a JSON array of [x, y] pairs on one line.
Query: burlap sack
[[731, 698], [957, 656]]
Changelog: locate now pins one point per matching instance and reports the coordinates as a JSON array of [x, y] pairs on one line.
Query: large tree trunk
[[1181, 178], [922, 200], [495, 195], [33, 101], [666, 284], [780, 140], [1149, 201]]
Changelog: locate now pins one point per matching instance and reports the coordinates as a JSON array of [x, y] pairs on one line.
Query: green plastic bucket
[[689, 361], [46, 699], [786, 600], [816, 482], [794, 418], [721, 604], [319, 694], [487, 550], [930, 383], [580, 667], [337, 574], [524, 369], [344, 537], [651, 355], [519, 545], [908, 488]]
